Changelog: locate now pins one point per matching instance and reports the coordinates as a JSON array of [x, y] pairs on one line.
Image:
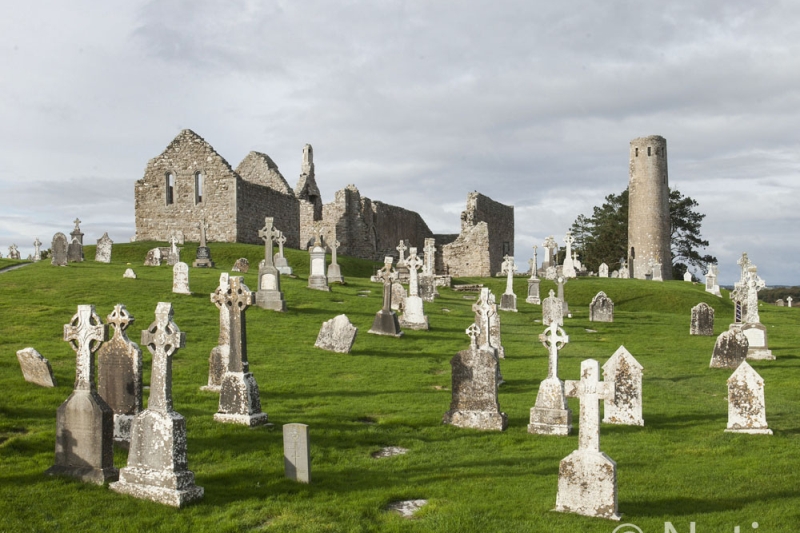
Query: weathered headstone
[[85, 422], [239, 400], [687, 276], [615, 274], [180, 278], [550, 415], [157, 467], [317, 278], [337, 335], [58, 250], [203, 255], [587, 478], [402, 269], [427, 280], [702, 320], [568, 267], [119, 374], [296, 452], [74, 251], [281, 263], [13, 252], [129, 273], [533, 291], [386, 322], [746, 407], [474, 401], [241, 265], [552, 310], [657, 275], [103, 251], [730, 349], [269, 294], [626, 373], [37, 253], [780, 303], [399, 295], [413, 312], [35, 368], [218, 359], [601, 309], [173, 252], [561, 281], [753, 329], [508, 301], [334, 270], [153, 258], [623, 271], [603, 270]]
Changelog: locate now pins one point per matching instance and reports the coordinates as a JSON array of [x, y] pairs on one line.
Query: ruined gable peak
[[261, 169]]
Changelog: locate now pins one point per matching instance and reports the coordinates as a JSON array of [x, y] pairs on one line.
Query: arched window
[[170, 185], [198, 187]]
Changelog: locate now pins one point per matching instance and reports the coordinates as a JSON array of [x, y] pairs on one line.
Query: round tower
[[649, 226]]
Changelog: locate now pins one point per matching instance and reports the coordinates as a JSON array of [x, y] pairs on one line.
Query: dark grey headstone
[[474, 401], [75, 251], [702, 320], [58, 250]]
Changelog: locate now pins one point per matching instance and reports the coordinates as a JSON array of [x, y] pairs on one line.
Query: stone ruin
[[337, 335], [601, 309], [746, 407], [625, 372], [550, 415], [35, 368], [702, 322]]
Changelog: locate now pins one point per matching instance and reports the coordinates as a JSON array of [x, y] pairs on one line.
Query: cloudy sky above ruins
[[417, 103]]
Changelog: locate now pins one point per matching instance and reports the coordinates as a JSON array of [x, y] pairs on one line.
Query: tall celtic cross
[[402, 250], [163, 339], [317, 233], [484, 315], [568, 240], [388, 275], [509, 268], [430, 251], [268, 233], [554, 340], [85, 332], [281, 240], [744, 263], [589, 390], [203, 229], [413, 263], [754, 284], [334, 244], [120, 318], [473, 331], [37, 243], [550, 246], [236, 298]]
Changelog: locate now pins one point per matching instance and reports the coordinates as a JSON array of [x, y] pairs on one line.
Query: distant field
[[680, 467]]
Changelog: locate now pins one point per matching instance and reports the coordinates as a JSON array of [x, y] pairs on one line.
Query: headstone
[[103, 252], [386, 322], [550, 415], [180, 278], [702, 320], [220, 354], [587, 478], [402, 269], [153, 258], [413, 312], [508, 301], [474, 401], [334, 271], [623, 271], [281, 263], [603, 270], [35, 368], [337, 335], [129, 273], [780, 303], [552, 310], [13, 252], [85, 422], [739, 293], [37, 253], [615, 274], [568, 267], [576, 264], [119, 374], [601, 309], [561, 281], [203, 255], [296, 452], [241, 265], [399, 295], [488, 322], [657, 275], [317, 278], [625, 372], [533, 291], [157, 467], [269, 294], [551, 273], [239, 400], [173, 253], [730, 349], [687, 276], [746, 407]]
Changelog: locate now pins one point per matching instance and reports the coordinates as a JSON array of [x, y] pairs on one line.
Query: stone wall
[[469, 255], [256, 203], [260, 169]]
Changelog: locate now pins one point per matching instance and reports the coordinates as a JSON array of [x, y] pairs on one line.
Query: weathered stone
[[587, 478], [85, 422], [746, 407], [337, 335], [561, 281], [269, 295], [180, 278], [552, 310], [386, 322], [297, 452], [603, 270], [626, 373], [35, 368], [203, 255], [13, 252], [281, 263], [780, 303], [129, 273], [601, 309], [489, 323], [58, 250], [75, 251], [702, 320], [550, 415], [334, 271], [474, 401], [153, 257], [623, 271], [533, 291], [241, 265], [37, 253], [399, 295], [757, 346], [119, 374], [568, 268], [317, 278], [103, 251], [239, 399], [730, 349], [413, 312], [406, 508], [508, 301], [615, 274], [172, 252], [157, 467], [687, 276], [218, 359]]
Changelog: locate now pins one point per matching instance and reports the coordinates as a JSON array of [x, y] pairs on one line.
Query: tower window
[[637, 152], [170, 178], [198, 187], [648, 150]]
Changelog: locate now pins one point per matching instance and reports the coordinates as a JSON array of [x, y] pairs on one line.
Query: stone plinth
[[317, 278], [413, 314], [550, 415], [269, 294], [587, 485], [35, 368], [337, 335], [203, 258], [386, 323], [508, 302], [335, 273], [757, 348]]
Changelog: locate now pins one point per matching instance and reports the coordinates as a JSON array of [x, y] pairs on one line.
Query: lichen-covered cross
[[473, 331], [163, 339], [485, 312], [268, 233], [236, 298], [387, 274], [77, 223], [553, 339], [402, 250], [589, 390], [120, 318], [85, 332], [281, 240], [413, 263]]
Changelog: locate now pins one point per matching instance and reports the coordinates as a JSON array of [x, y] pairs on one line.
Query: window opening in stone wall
[[170, 188], [648, 150], [637, 152], [198, 187]]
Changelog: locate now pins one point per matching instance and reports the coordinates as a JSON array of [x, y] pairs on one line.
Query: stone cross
[[85, 332], [388, 275], [281, 240], [789, 301], [173, 240], [37, 255], [485, 313], [532, 264], [509, 268], [237, 298], [535, 259], [413, 263], [754, 284], [334, 244], [203, 229], [402, 249], [550, 246], [317, 233], [163, 339], [430, 251], [589, 390], [568, 240], [77, 222], [268, 233], [561, 282], [553, 339], [744, 263], [473, 331]]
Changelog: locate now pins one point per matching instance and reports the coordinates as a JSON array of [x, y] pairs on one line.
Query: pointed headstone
[[129, 273], [550, 415], [746, 407], [626, 373]]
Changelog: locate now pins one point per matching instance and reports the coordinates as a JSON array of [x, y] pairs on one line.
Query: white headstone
[[180, 278], [35, 368], [129, 273], [603, 270], [626, 373], [413, 312], [337, 335], [746, 407], [687, 276]]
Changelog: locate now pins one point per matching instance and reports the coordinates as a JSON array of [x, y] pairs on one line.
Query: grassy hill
[[680, 467]]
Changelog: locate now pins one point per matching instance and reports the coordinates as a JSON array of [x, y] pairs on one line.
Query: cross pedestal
[[269, 295], [550, 414]]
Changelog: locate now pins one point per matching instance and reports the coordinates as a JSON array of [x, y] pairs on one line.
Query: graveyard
[[681, 466]]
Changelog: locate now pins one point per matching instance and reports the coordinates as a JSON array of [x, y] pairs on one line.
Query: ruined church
[[190, 182]]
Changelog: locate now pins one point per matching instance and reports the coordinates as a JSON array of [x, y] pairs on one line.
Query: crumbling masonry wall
[[256, 203]]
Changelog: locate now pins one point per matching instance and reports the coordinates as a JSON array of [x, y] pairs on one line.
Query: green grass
[[680, 467]]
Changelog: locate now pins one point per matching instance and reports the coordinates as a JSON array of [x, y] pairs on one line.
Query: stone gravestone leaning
[[218, 359], [157, 468], [337, 335], [35, 368], [85, 422], [702, 320], [386, 322], [180, 278], [103, 251], [625, 372], [746, 408], [587, 478], [550, 415], [601, 309], [730, 349], [119, 374], [239, 399], [413, 312], [296, 452], [269, 294], [508, 301], [58, 250]]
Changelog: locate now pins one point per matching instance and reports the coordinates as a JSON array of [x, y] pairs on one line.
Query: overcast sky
[[417, 103]]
